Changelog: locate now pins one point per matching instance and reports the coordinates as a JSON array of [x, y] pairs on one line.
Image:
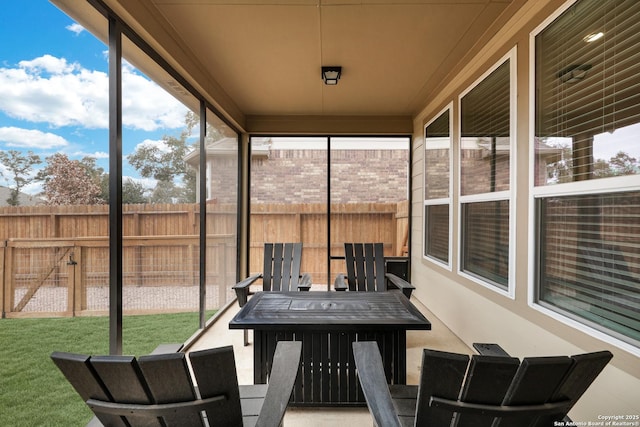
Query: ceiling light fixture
[[331, 75], [593, 37], [574, 73]]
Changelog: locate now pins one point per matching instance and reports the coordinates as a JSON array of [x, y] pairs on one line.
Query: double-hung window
[[437, 188], [586, 173], [486, 160]]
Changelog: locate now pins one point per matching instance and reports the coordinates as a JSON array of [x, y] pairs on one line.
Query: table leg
[[400, 374], [327, 373], [260, 357]]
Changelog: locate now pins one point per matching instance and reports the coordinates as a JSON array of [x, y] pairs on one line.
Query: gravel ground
[[54, 299]]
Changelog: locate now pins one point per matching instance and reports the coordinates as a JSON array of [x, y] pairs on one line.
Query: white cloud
[[159, 144], [50, 90], [147, 183], [95, 155], [48, 63], [146, 106], [34, 188], [75, 28], [31, 138]]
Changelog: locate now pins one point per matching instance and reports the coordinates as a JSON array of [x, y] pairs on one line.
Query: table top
[[329, 310]]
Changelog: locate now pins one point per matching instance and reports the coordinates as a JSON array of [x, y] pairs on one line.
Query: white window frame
[[598, 186], [508, 195], [441, 201]]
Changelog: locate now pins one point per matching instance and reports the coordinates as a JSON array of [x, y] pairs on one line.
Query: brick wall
[[300, 176]]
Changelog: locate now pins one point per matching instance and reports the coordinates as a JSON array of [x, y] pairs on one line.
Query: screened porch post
[[115, 187]]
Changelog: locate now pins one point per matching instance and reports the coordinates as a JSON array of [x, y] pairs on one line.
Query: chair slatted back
[[281, 271], [214, 371], [484, 390], [442, 375], [506, 385], [365, 267], [169, 380], [125, 383], [535, 382], [157, 390], [86, 382], [487, 382], [584, 370]]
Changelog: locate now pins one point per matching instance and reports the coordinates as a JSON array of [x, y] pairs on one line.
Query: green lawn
[[33, 392]]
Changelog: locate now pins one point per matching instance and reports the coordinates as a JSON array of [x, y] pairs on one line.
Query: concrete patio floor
[[439, 338]]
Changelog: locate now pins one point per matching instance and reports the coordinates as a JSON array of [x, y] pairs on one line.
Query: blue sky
[[54, 91]]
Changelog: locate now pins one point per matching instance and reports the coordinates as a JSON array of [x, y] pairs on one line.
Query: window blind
[[486, 240], [437, 232], [485, 110], [586, 91], [485, 151], [437, 143], [588, 110], [589, 262]]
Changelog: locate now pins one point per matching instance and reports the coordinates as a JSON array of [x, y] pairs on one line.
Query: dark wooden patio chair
[[459, 390], [366, 271], [280, 273], [158, 390]]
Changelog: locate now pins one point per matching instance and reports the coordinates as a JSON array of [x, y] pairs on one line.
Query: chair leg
[[246, 337]]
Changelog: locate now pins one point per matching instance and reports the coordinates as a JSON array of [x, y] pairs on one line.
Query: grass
[[33, 392]]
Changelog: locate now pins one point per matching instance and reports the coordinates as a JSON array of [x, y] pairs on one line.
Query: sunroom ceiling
[[266, 55]]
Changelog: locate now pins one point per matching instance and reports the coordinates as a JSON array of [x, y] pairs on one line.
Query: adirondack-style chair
[[158, 390], [366, 271], [459, 390], [280, 273]]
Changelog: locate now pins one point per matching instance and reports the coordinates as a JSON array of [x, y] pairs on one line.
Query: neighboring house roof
[[23, 198], [224, 146]]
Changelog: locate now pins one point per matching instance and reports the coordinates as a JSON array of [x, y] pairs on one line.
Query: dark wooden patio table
[[328, 323]]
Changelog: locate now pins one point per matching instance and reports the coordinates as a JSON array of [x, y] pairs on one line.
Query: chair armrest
[[340, 283], [487, 349], [94, 422], [167, 348], [284, 371], [305, 282], [401, 284], [242, 288], [374, 384]]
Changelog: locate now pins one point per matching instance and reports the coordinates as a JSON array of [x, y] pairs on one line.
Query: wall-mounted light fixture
[[331, 75], [574, 73]]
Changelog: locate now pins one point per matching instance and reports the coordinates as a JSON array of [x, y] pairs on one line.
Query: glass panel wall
[[57, 120], [369, 196], [221, 146], [160, 132], [291, 197], [289, 200], [54, 145]]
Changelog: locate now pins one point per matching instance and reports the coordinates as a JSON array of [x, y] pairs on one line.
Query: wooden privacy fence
[[70, 277], [307, 223], [55, 260]]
